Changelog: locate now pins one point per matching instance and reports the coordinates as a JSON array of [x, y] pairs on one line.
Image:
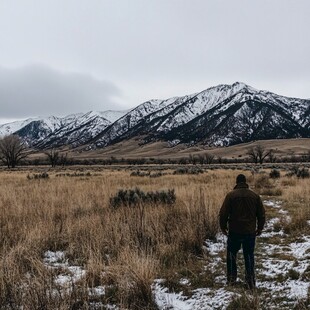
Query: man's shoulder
[[243, 191]]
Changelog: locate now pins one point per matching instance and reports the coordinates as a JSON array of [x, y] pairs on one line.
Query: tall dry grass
[[124, 248], [127, 247]]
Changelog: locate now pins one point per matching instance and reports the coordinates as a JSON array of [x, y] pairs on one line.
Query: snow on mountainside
[[57, 131], [222, 115], [81, 130], [132, 118], [38, 129], [112, 116], [77, 132], [9, 128]]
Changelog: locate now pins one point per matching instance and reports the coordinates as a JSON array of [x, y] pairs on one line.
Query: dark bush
[[188, 170], [156, 175], [133, 197], [139, 174], [274, 174], [75, 174], [303, 173], [37, 176], [299, 172]]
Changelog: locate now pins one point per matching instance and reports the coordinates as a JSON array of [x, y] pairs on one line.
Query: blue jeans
[[234, 243]]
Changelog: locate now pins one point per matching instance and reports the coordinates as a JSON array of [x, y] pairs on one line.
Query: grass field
[[133, 149], [62, 246]]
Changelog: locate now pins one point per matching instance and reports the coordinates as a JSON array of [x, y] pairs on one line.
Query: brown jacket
[[243, 210]]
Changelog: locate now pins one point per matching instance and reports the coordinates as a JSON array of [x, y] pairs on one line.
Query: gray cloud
[[39, 90], [163, 48]]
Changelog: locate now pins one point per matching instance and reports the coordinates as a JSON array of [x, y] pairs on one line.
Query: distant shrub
[[263, 186], [271, 191], [274, 174], [139, 173], [188, 170], [133, 197], [37, 176], [262, 181], [156, 175], [299, 172], [75, 174], [303, 173]]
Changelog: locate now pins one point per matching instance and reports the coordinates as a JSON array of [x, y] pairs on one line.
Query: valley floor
[[282, 271]]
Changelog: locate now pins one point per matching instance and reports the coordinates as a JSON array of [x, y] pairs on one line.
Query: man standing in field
[[244, 213]]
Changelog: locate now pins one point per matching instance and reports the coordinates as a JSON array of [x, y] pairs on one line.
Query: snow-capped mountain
[[78, 131], [222, 115], [73, 129], [9, 128], [38, 129]]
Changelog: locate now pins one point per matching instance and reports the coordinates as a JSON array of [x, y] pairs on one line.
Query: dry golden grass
[[133, 148], [125, 249]]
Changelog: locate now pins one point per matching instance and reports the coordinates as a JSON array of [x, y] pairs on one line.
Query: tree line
[[14, 151]]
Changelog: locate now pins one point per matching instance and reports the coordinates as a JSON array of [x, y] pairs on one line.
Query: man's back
[[244, 212], [242, 208]]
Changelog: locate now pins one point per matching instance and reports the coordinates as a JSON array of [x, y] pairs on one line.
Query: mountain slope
[[77, 132], [218, 116], [73, 130], [221, 115]]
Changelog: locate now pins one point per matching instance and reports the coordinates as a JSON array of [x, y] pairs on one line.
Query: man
[[244, 212]]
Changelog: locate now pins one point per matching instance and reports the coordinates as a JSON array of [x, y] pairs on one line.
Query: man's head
[[241, 179]]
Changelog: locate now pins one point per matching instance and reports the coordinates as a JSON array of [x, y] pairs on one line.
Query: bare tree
[[209, 158], [272, 157], [53, 157], [258, 153], [201, 159], [12, 150], [63, 160], [219, 159], [193, 159]]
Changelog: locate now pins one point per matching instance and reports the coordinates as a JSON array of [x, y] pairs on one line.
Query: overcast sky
[[66, 56]]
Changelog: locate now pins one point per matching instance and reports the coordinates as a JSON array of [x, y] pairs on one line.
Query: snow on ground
[[280, 269], [67, 275], [214, 247], [202, 299], [301, 249]]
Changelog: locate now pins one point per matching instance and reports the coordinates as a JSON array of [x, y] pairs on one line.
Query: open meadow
[[65, 243]]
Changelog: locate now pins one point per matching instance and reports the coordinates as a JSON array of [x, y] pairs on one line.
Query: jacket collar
[[241, 185]]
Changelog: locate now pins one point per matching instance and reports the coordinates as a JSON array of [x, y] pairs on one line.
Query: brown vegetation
[[124, 249]]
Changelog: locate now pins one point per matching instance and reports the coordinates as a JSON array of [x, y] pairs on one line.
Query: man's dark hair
[[241, 178]]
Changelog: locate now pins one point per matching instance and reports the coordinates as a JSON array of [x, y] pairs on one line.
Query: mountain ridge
[[221, 115]]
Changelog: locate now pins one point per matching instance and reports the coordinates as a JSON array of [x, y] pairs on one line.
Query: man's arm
[[260, 215], [224, 215]]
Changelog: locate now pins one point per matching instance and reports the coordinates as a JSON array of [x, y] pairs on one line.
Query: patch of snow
[[54, 258], [202, 299], [216, 246], [207, 299], [184, 281], [97, 291], [272, 268], [298, 289], [166, 300], [281, 211], [301, 250], [291, 289], [273, 204]]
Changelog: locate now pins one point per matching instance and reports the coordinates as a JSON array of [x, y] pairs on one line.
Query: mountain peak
[[221, 115]]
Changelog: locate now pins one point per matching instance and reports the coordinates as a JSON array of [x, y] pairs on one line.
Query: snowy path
[[282, 271]]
